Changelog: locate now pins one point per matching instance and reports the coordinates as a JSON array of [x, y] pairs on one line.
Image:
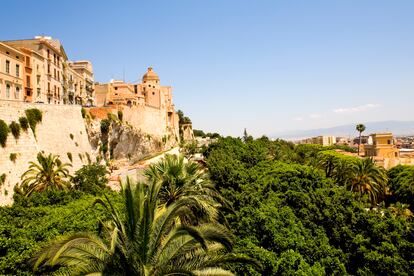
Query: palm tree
[[360, 128], [145, 239], [179, 178], [368, 178], [48, 173]]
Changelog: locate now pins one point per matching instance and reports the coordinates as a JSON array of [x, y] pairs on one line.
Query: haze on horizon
[[267, 66]]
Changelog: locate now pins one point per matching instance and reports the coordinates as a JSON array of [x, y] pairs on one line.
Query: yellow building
[[320, 140], [11, 73], [85, 83], [46, 72], [147, 97], [381, 145]]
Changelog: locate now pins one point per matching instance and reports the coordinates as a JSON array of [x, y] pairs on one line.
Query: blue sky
[[267, 66]]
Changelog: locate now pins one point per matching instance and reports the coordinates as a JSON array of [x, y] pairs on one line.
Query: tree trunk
[[359, 144]]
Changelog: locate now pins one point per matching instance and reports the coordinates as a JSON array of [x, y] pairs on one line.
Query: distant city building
[[364, 140], [45, 73], [320, 140]]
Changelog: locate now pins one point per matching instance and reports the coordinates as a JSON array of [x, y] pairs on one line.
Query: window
[[17, 70], [38, 79], [48, 53], [7, 66], [38, 92], [48, 68], [7, 91], [17, 92], [389, 142], [28, 81]]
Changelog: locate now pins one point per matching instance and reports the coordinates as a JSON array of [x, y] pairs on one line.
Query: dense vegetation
[[296, 209], [296, 212]]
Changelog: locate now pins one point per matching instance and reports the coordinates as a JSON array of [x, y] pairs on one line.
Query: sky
[[267, 66]]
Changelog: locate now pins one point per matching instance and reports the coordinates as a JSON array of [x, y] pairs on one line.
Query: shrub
[[91, 178], [70, 156], [83, 112], [13, 157], [111, 117], [88, 158], [120, 115], [71, 136], [2, 179], [4, 131], [15, 129], [34, 116], [104, 148], [24, 123], [105, 123]]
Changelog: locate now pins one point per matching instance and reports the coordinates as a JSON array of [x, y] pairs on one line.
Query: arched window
[[7, 91], [17, 92]]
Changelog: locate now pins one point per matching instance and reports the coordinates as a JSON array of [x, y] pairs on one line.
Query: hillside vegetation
[[261, 208]]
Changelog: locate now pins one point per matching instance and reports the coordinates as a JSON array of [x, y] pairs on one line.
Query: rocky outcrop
[[124, 142]]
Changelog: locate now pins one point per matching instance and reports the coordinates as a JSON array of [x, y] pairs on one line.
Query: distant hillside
[[396, 127]]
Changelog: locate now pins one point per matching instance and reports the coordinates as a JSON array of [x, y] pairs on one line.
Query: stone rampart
[[61, 131]]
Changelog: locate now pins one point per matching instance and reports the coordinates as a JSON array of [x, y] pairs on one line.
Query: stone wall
[[147, 119], [53, 135]]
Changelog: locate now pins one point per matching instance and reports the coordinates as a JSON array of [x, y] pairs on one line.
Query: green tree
[[368, 178], [48, 173], [186, 179], [144, 239], [90, 178], [360, 128]]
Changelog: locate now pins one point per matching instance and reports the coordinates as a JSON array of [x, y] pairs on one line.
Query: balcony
[[89, 81], [89, 88]]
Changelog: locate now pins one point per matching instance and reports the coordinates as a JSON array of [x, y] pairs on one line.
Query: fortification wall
[[53, 135], [148, 119]]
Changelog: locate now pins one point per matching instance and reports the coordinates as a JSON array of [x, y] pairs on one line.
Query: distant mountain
[[396, 127]]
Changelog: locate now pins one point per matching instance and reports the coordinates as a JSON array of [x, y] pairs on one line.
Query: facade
[[46, 71], [381, 145], [11, 73], [320, 140]]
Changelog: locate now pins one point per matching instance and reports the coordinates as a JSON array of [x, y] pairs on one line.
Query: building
[[381, 145], [46, 70], [11, 73], [320, 140], [85, 83], [147, 105]]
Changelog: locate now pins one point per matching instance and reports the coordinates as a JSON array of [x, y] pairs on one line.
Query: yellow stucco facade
[[11, 73], [46, 71], [382, 146]]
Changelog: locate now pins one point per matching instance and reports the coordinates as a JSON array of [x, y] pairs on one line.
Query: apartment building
[[11, 73], [46, 71]]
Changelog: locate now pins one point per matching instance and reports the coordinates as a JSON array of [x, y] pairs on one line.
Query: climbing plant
[[24, 123], [34, 116], [15, 129], [4, 131]]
